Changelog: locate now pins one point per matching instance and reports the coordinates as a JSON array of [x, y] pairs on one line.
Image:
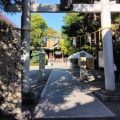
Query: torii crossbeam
[[51, 8]]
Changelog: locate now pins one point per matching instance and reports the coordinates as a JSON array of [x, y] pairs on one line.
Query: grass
[[34, 64]]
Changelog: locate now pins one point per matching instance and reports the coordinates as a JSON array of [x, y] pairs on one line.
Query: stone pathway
[[66, 98]]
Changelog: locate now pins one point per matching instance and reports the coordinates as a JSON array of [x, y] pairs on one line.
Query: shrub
[[35, 56], [33, 64]]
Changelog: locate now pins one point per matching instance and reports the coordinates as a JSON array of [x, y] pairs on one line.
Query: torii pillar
[[107, 45], [25, 43]]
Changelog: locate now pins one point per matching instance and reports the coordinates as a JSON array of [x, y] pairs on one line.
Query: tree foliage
[[35, 56], [38, 29], [116, 25], [4, 2], [116, 38], [52, 33], [78, 24], [65, 45]]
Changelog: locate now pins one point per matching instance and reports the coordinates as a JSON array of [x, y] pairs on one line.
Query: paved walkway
[[65, 97]]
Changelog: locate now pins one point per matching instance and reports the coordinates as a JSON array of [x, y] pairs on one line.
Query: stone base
[[107, 96]]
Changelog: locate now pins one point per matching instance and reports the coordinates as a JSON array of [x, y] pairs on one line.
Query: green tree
[[52, 33], [35, 56], [67, 47], [73, 24], [116, 25], [38, 29], [77, 24]]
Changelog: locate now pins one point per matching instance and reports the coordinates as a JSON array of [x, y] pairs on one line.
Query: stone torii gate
[[104, 7]]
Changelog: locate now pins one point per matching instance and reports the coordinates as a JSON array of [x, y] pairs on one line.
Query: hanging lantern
[[74, 42], [89, 39]]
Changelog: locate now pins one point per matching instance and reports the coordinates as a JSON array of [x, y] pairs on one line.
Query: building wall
[[50, 43]]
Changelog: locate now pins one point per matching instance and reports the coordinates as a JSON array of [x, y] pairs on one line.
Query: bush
[[35, 58], [46, 61], [33, 64], [88, 49]]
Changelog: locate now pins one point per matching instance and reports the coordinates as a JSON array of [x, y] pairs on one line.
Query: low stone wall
[[10, 70]]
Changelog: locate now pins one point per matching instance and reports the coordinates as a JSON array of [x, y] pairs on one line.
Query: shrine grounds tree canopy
[[37, 24]]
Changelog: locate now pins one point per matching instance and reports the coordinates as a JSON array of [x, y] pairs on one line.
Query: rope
[[92, 32]]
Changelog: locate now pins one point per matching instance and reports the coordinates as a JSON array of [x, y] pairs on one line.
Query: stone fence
[[10, 70]]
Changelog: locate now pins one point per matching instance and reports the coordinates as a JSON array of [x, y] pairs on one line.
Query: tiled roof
[[4, 18]]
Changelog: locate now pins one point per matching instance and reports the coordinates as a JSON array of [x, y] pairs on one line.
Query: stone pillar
[[107, 46], [41, 66], [82, 66], [62, 56], [25, 39]]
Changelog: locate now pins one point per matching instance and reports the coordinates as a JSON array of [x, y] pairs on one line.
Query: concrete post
[[62, 56], [41, 66], [25, 48], [82, 66], [107, 46]]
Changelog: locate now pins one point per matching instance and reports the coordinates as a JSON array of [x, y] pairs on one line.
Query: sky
[[53, 20]]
